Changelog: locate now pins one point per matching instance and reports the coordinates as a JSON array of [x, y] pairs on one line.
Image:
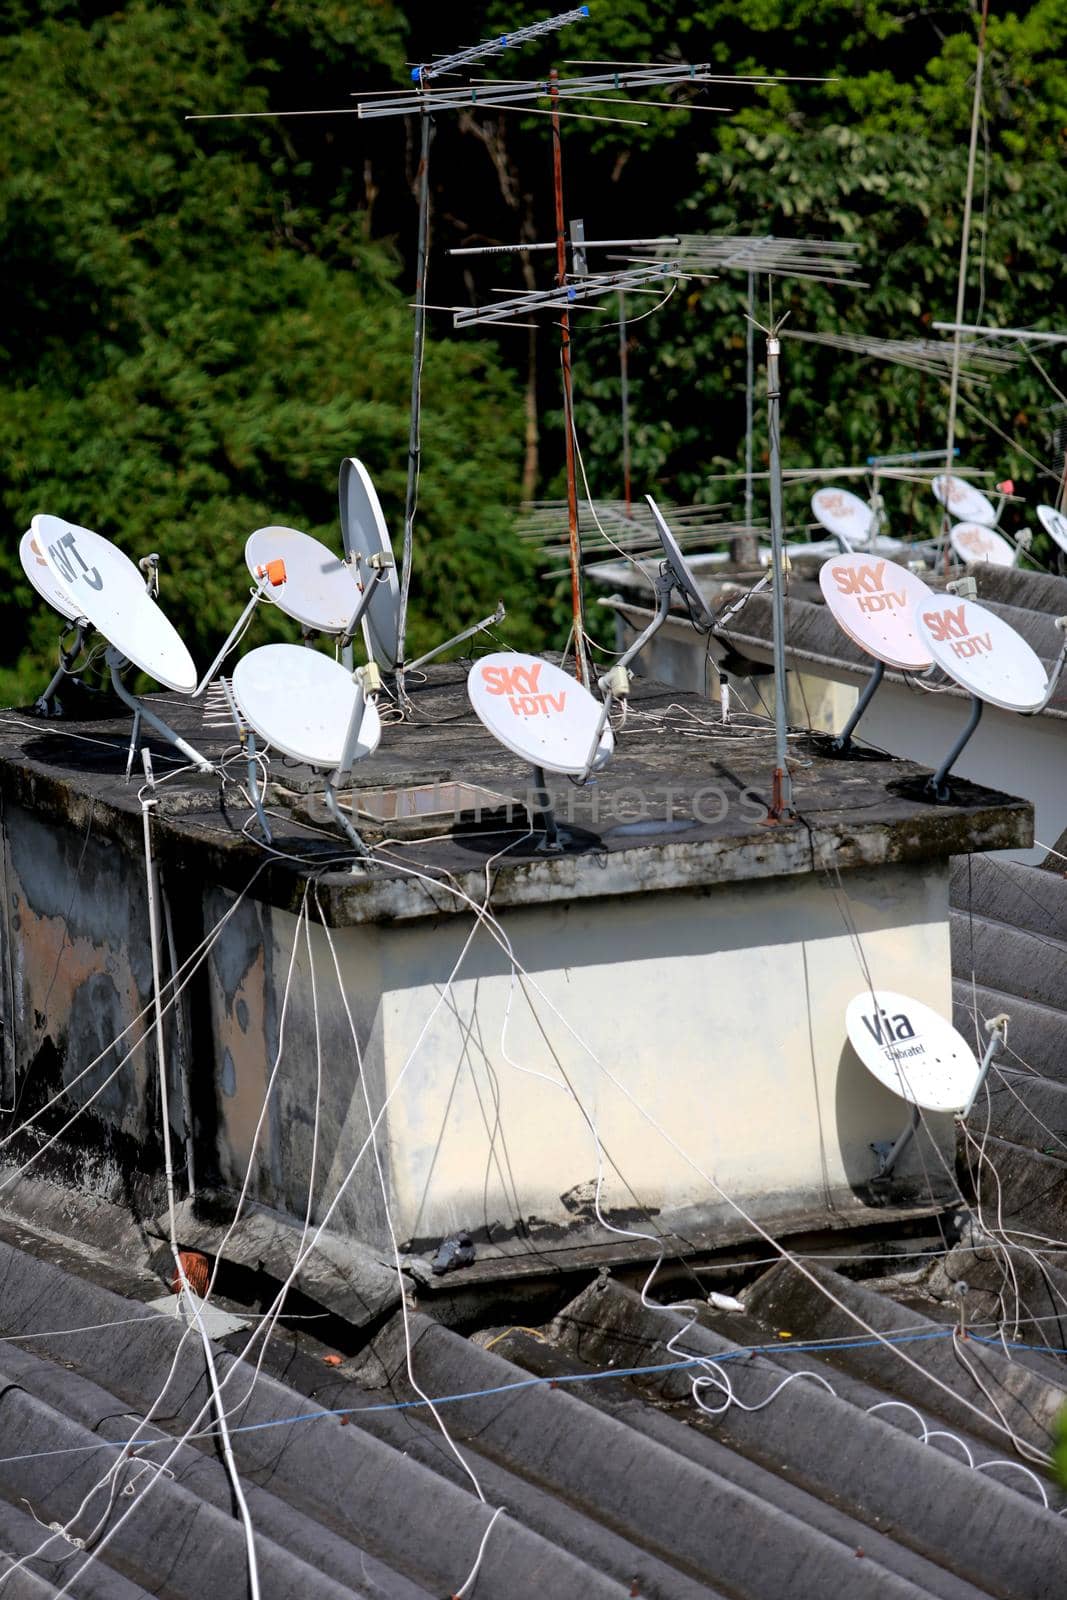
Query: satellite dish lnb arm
[[1055, 674], [615, 685]]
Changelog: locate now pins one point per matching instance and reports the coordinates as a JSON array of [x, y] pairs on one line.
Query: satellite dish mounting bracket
[[117, 664], [344, 766], [46, 704], [615, 685], [937, 788]]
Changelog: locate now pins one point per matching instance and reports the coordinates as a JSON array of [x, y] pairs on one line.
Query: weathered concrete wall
[[719, 1010]]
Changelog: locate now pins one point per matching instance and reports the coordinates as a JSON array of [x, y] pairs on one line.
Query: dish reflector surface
[[680, 569], [43, 579], [875, 602], [972, 542], [961, 499], [984, 654], [1054, 523], [842, 513], [106, 588], [538, 712], [912, 1050], [365, 534], [301, 703], [319, 591]]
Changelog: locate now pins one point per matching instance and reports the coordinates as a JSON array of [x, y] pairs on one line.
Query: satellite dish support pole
[[750, 396], [897, 1149], [782, 797], [116, 663], [614, 685], [415, 424], [624, 399], [468, 633], [344, 767], [43, 705], [553, 841], [232, 638], [843, 743], [581, 666], [937, 786]]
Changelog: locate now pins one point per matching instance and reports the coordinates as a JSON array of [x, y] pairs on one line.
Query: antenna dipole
[[495, 47]]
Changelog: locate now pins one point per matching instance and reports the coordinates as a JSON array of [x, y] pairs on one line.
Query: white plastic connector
[[616, 681], [370, 677], [1061, 624], [965, 588]]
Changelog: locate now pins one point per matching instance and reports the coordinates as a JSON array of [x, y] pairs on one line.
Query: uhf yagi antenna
[[494, 47]]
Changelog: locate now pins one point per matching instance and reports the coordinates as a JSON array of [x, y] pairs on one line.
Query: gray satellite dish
[[311, 709], [367, 544], [316, 588], [680, 570]]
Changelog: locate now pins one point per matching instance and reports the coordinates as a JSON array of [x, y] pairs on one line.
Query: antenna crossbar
[[569, 294], [495, 47], [456, 99]]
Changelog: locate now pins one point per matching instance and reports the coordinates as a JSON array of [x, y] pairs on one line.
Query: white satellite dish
[[983, 653], [973, 542], [366, 540], [301, 703], [538, 712], [1054, 523], [317, 589], [43, 578], [912, 1050], [843, 514], [680, 569], [108, 590], [874, 601], [962, 500]]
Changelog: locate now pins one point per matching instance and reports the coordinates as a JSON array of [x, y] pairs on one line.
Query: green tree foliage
[[204, 317], [199, 329]]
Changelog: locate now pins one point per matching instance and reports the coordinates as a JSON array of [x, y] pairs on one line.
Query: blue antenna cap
[[572, 294], [584, 10], [416, 74]]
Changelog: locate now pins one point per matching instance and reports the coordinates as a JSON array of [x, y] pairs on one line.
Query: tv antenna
[[539, 713], [922, 1058], [313, 710], [985, 656], [874, 602], [109, 591]]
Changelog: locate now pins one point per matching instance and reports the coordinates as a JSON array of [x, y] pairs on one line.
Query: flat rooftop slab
[[681, 805]]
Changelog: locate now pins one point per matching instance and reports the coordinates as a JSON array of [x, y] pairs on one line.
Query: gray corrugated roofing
[[609, 1488]]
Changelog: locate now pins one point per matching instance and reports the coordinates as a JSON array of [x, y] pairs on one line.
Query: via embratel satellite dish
[[963, 501], [369, 548], [48, 587], [1054, 523], [108, 590], [843, 514], [311, 709], [874, 601], [973, 542], [542, 715], [918, 1055], [985, 656]]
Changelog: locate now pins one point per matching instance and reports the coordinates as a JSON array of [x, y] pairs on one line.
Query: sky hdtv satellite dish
[[107, 589], [366, 537], [843, 514], [1054, 523], [962, 500], [318, 589], [874, 601], [680, 569], [983, 653], [973, 542], [301, 702], [538, 712], [912, 1050], [43, 578]]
